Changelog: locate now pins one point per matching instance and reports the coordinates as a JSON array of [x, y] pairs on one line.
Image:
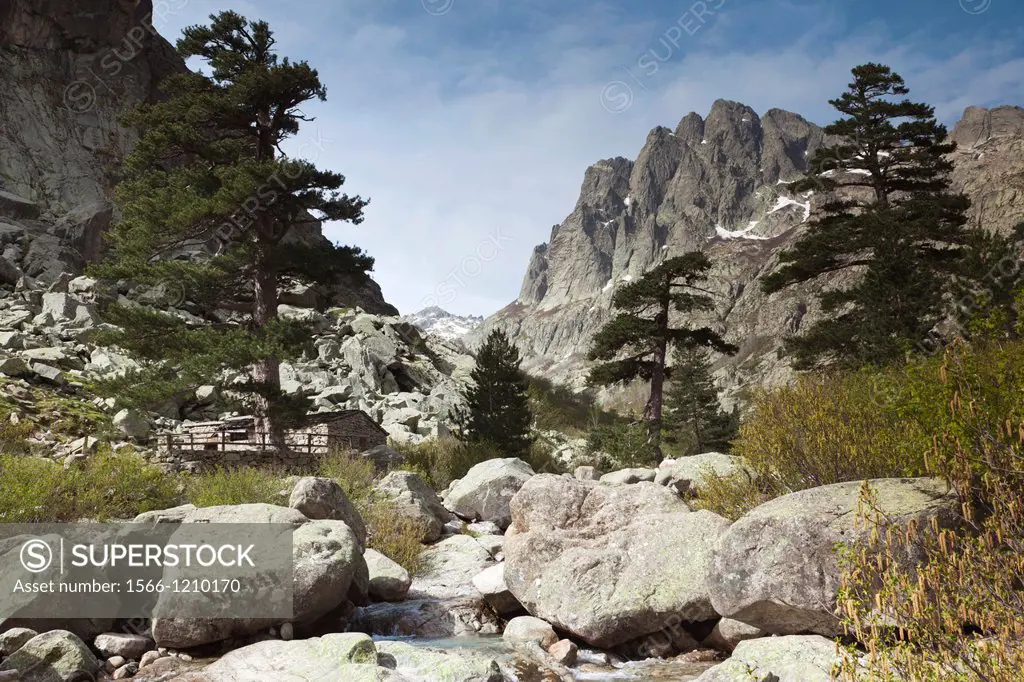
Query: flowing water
[[591, 666]]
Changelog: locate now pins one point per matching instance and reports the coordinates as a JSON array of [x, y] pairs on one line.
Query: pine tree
[[208, 170], [890, 221], [497, 402], [641, 331], [694, 420]]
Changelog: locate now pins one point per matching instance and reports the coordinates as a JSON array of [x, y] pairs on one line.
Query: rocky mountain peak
[[979, 125], [717, 184]]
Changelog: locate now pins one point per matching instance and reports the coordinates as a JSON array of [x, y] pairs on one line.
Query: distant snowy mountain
[[440, 322]]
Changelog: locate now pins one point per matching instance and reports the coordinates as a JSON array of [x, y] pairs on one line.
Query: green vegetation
[[497, 405], [893, 223], [442, 460], [694, 420], [558, 408], [104, 486], [244, 485], [620, 445], [958, 613], [635, 343], [868, 424], [229, 185]]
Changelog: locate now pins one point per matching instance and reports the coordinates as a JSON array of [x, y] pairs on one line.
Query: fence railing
[[221, 441]]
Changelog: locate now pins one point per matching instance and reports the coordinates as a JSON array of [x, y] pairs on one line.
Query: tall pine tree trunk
[[267, 372], [655, 405]]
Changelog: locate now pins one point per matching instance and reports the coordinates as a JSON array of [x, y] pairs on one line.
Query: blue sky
[[469, 123]]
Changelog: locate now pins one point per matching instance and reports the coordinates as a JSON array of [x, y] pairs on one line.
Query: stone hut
[[237, 441]]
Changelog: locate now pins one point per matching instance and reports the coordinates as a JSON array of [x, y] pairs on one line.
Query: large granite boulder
[[609, 564], [794, 658], [484, 493], [416, 500], [54, 656], [686, 474], [388, 580], [438, 665], [326, 560], [322, 498], [777, 567], [342, 656]]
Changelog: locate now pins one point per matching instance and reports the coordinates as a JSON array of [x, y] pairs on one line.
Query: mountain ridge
[[718, 184]]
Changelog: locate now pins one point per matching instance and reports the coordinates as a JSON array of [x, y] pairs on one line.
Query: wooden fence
[[309, 443]]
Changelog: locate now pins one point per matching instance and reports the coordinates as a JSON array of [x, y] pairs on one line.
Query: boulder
[[793, 658], [14, 367], [415, 499], [586, 473], [322, 498], [48, 374], [384, 458], [13, 639], [326, 560], [54, 656], [388, 580], [609, 563], [628, 476], [125, 645], [484, 493], [491, 583], [317, 658], [686, 474], [527, 630], [438, 665], [777, 568], [132, 424], [727, 633], [563, 652]]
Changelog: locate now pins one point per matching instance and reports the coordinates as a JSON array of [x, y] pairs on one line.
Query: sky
[[469, 123]]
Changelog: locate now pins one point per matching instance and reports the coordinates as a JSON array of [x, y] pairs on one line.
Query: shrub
[[729, 496], [246, 485], [959, 614], [394, 535], [119, 486], [355, 474], [105, 486], [828, 429], [442, 460]]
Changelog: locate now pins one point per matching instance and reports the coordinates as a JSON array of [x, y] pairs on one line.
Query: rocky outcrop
[[609, 563], [484, 493], [408, 382], [717, 184], [777, 567], [69, 71], [417, 501]]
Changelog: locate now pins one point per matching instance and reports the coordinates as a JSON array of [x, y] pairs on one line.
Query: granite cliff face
[[69, 69], [717, 184]]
